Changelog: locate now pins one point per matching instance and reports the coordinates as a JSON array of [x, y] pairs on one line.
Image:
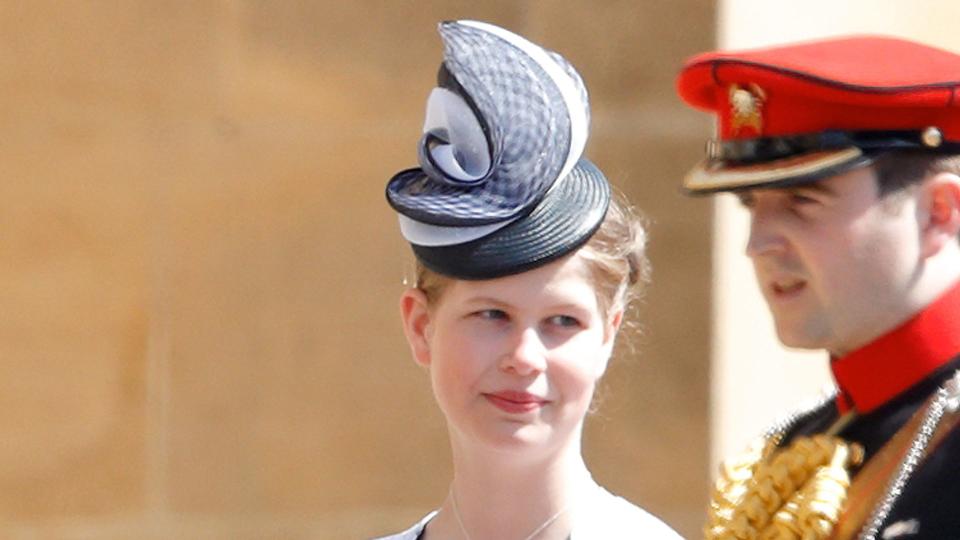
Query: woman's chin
[[530, 439]]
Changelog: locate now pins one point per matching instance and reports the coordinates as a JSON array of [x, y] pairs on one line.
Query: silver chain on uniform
[[947, 400]]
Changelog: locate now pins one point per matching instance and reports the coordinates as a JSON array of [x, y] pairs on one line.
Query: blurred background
[[200, 334]]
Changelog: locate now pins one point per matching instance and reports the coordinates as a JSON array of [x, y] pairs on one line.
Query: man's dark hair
[[900, 169]]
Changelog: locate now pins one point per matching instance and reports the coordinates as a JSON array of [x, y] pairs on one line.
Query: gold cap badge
[[746, 106]]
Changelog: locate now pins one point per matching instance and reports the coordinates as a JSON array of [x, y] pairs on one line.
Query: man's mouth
[[787, 287]]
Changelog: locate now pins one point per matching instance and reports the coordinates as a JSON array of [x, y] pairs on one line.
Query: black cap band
[[745, 151]]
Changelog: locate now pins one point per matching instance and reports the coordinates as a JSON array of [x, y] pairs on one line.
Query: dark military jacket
[[929, 507]]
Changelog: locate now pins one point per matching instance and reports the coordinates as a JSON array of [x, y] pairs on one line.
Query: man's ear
[[941, 200], [415, 314]]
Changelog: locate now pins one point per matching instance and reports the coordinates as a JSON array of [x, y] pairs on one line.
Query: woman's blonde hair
[[615, 256]]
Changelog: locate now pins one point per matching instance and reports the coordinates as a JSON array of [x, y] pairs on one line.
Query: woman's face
[[514, 360]]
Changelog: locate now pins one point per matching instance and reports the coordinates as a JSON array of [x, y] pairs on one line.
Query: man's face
[[835, 262]]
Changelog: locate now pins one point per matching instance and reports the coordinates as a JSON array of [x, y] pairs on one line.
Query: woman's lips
[[515, 402]]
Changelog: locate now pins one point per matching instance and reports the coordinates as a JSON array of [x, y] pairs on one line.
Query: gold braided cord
[[772, 493], [731, 486]]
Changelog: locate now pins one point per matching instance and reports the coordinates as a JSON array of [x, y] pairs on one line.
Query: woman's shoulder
[[611, 516], [413, 533]]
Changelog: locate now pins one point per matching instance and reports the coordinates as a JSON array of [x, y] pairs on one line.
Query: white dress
[[606, 517]]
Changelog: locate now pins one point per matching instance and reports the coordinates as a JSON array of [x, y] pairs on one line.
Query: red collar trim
[[879, 371]]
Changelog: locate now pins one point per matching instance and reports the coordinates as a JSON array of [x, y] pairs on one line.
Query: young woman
[[525, 269]]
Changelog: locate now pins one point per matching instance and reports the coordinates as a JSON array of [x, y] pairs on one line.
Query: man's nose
[[766, 235], [527, 354]]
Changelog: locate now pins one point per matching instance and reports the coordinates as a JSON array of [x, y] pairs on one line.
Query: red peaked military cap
[[797, 113]]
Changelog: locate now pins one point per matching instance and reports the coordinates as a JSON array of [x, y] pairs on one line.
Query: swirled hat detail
[[501, 187]]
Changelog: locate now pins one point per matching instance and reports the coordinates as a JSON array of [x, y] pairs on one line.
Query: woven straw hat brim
[[564, 220]]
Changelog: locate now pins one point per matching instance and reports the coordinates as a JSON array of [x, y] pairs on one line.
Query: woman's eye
[[492, 314], [564, 321]]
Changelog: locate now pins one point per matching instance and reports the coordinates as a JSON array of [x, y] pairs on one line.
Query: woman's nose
[[527, 354]]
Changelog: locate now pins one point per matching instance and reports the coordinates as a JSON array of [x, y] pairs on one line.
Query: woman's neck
[[507, 496]]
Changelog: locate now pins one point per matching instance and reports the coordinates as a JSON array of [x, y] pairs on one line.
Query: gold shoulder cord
[[780, 493], [799, 492]]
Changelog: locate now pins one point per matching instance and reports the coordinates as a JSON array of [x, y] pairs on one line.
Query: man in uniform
[[846, 153]]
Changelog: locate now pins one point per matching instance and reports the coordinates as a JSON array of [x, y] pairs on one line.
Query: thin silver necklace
[[531, 536]]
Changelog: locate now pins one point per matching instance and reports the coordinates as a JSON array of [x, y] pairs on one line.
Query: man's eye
[[564, 321], [746, 199], [799, 198]]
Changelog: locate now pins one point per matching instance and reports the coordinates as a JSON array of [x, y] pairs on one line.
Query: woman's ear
[[614, 322], [415, 314], [941, 200], [611, 327]]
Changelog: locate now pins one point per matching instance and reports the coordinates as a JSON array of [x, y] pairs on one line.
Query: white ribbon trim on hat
[[424, 234], [568, 89], [467, 157]]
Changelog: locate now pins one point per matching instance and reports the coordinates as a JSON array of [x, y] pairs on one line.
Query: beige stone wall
[[199, 272]]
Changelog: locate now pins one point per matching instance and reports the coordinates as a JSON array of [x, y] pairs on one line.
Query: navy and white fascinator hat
[[501, 187]]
